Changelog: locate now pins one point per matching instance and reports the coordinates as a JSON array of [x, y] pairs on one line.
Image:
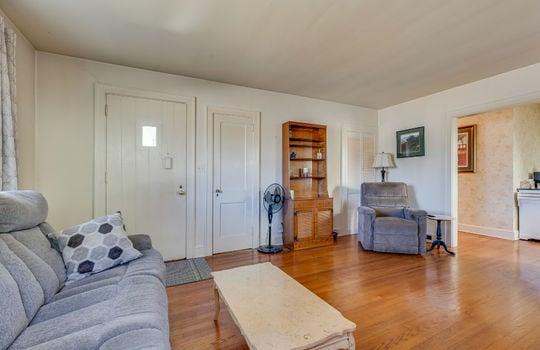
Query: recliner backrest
[[384, 194]]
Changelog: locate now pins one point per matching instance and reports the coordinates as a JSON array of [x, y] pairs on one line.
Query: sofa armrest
[[366, 221], [141, 241]]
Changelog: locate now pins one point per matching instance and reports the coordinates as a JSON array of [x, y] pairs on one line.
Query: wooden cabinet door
[[303, 224], [311, 222], [324, 224]]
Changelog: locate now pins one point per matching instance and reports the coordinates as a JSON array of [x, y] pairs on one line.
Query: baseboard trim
[[488, 231]]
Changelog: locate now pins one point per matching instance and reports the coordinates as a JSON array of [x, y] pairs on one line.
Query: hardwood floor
[[485, 297]]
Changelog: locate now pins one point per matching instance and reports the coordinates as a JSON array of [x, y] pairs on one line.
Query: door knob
[[181, 191], [218, 190]]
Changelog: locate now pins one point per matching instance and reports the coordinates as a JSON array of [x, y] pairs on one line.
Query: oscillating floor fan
[[273, 202]]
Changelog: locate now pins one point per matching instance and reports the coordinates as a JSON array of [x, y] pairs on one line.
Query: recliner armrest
[[141, 241], [414, 214], [366, 220], [366, 211], [420, 217]]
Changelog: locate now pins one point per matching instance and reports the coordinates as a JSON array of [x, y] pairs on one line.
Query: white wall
[[25, 145], [526, 142], [434, 177], [65, 124]]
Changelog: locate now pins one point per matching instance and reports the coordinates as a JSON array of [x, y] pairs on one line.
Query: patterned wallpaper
[[486, 198], [526, 142]]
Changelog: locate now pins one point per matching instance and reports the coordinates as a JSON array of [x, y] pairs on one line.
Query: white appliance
[[529, 213]]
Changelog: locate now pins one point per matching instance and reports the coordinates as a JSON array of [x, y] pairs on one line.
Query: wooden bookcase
[[308, 218]]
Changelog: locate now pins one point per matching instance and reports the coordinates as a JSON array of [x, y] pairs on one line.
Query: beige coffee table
[[273, 311]]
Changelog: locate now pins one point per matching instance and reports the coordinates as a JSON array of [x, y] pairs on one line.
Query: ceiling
[[368, 53]]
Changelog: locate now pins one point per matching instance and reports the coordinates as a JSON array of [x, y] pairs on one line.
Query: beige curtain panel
[[8, 110]]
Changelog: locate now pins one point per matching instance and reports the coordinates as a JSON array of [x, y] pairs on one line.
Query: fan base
[[269, 249]]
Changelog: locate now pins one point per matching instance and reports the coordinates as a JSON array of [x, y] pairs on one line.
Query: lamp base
[[383, 173]]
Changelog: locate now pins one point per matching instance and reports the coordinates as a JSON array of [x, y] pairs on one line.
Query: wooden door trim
[[210, 111], [100, 150], [345, 131]]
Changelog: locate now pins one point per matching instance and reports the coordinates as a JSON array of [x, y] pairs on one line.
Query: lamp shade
[[384, 160]]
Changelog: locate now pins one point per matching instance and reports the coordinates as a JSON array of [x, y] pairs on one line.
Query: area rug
[[187, 271]]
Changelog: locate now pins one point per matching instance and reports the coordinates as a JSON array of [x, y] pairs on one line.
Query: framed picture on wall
[[466, 148], [410, 142]]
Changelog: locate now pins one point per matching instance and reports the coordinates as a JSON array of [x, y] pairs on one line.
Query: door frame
[[345, 130], [210, 111], [100, 151]]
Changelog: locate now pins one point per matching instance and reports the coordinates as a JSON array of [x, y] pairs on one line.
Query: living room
[[58, 132]]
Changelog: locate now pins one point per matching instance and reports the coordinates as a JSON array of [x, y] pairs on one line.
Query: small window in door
[[149, 136]]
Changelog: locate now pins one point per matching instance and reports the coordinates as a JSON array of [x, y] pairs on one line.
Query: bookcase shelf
[[308, 159]]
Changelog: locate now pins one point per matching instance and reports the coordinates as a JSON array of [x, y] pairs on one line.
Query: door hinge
[[106, 110]]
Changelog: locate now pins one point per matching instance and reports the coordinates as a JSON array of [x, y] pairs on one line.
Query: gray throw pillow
[[94, 246]]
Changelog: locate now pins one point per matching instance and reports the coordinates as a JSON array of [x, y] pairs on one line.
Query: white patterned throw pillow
[[94, 246]]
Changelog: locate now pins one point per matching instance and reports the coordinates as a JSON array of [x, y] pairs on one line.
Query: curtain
[[8, 110]]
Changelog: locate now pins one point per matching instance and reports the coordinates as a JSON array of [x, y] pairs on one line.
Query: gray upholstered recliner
[[385, 221]]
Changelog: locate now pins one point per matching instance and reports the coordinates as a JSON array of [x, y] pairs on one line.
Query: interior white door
[[146, 169], [235, 184], [359, 150]]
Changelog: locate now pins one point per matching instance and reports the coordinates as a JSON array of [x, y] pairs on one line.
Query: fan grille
[[273, 197]]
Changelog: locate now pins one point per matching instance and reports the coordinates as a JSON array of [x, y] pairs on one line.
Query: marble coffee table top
[[273, 311]]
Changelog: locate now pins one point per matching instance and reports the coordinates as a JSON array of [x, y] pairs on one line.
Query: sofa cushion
[[22, 254], [20, 210], [95, 246], [150, 264], [37, 242], [31, 292], [13, 320], [26, 281], [126, 300]]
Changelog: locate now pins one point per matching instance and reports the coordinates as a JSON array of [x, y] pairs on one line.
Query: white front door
[[235, 184], [146, 169], [358, 153]]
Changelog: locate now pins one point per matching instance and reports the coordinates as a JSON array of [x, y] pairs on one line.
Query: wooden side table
[[439, 242]]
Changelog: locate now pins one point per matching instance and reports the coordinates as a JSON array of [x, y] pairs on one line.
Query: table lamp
[[383, 161]]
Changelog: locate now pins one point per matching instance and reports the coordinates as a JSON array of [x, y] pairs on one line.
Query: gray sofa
[[385, 221], [124, 307]]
